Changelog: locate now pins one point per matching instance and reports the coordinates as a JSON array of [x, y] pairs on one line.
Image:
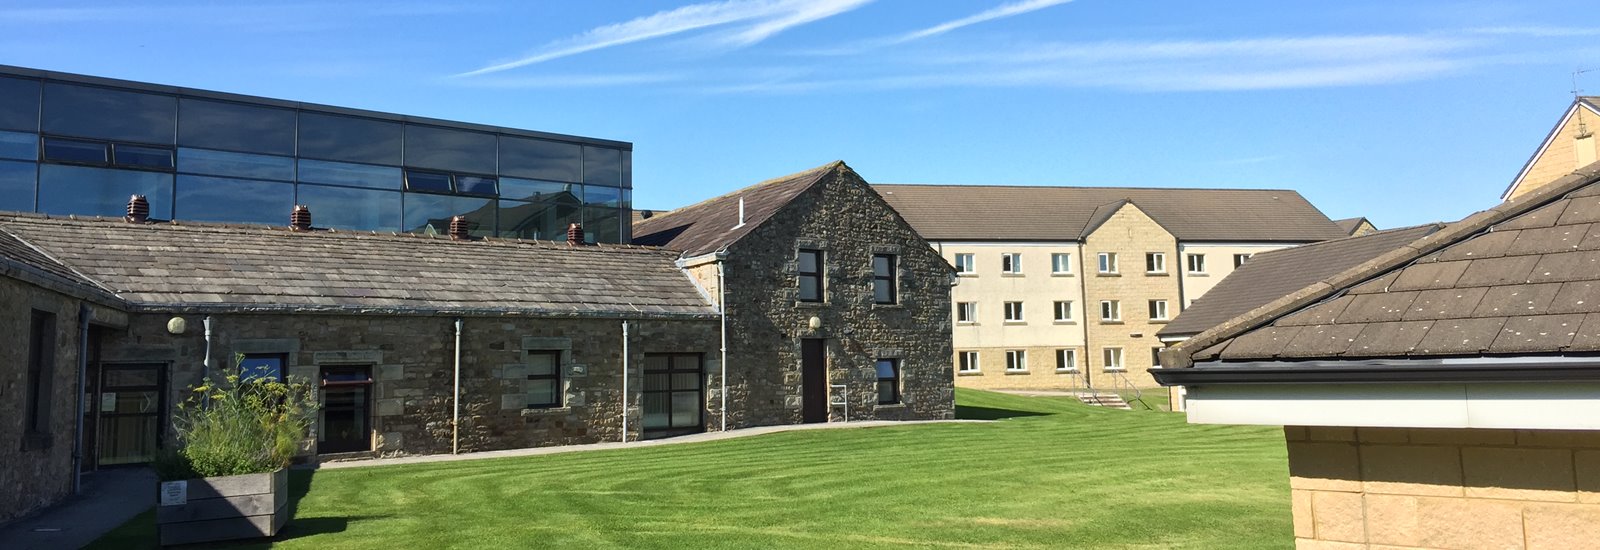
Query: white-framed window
[[1016, 360], [965, 264], [1011, 262], [1240, 259], [1108, 262], [1112, 358], [1064, 310], [967, 361], [1158, 310], [1110, 310], [1066, 359], [1155, 262], [1197, 263], [1155, 357], [1013, 312], [1060, 263], [966, 312]]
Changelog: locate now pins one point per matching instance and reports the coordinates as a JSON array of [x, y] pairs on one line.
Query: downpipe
[[624, 381], [722, 307], [83, 378], [455, 397]]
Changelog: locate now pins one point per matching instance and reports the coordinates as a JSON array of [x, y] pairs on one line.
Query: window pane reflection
[[204, 198], [350, 139], [71, 150], [100, 191], [235, 127], [453, 150], [18, 145], [356, 175], [602, 225], [602, 166], [19, 104], [139, 156], [520, 189], [245, 165], [356, 209], [536, 220], [539, 159], [431, 213], [475, 185], [16, 186], [85, 111], [595, 195], [427, 181]]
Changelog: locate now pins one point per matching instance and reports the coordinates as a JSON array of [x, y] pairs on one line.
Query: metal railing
[[840, 397], [1121, 383]]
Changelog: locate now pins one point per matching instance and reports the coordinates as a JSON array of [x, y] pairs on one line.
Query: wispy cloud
[[1007, 10], [572, 80], [1537, 31], [763, 19], [229, 14]]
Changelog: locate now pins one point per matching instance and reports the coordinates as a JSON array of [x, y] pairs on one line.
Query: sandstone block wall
[[1130, 233], [1444, 488], [33, 478], [1563, 155]]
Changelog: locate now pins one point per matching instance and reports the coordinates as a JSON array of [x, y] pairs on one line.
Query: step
[[1108, 400]]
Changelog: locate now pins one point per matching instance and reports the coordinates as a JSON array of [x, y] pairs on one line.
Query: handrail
[[1119, 378]]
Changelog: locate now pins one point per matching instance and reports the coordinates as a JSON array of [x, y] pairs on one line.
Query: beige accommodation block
[[1571, 146], [1037, 285], [1131, 235], [1039, 371]]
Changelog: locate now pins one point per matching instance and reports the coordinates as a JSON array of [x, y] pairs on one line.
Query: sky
[[1403, 112]]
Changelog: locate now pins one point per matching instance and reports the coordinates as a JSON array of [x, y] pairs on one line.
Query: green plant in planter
[[239, 425]]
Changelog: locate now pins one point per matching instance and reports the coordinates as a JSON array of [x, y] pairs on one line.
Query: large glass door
[[345, 423], [129, 406], [674, 394]]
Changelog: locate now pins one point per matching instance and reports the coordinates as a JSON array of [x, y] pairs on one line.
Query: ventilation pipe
[[300, 218], [722, 309], [741, 214], [83, 375], [575, 234], [624, 380], [455, 397], [138, 209], [458, 228]]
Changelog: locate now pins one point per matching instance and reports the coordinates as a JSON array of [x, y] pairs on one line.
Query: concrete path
[[110, 498], [694, 438]]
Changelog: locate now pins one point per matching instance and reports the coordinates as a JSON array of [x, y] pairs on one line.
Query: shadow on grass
[[968, 412]]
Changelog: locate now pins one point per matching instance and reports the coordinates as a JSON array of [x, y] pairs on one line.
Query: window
[[888, 381], [1011, 262], [810, 275], [601, 224], [430, 214], [1063, 311], [1108, 262], [353, 175], [1155, 262], [1066, 359], [966, 312], [1016, 360], [544, 379], [72, 150], [427, 181], [205, 198], [19, 146], [1197, 263], [541, 160], [104, 113], [1113, 359], [1155, 357], [1239, 259], [1158, 310], [139, 156], [884, 289], [1061, 263], [965, 264], [1110, 310], [41, 368], [262, 366], [449, 149], [353, 209], [602, 166], [19, 104], [1013, 312], [350, 139], [596, 195], [967, 361], [85, 190], [235, 127], [244, 165], [17, 183]]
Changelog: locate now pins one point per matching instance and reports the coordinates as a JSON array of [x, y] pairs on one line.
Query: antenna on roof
[[1577, 95]]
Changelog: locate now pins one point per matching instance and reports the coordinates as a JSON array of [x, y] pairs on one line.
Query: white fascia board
[[1501, 405], [1006, 243]]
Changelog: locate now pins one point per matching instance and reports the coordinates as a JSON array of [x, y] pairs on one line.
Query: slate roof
[[1014, 213], [712, 224], [258, 268], [1350, 225], [1270, 275], [1522, 278]]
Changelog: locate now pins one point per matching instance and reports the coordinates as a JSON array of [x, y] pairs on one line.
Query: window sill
[[543, 411], [1107, 274], [1067, 371], [1160, 321], [1011, 274], [1063, 275], [1010, 372], [1015, 322], [1199, 274], [966, 323], [1065, 322], [1114, 370], [36, 442], [1157, 274], [896, 405], [810, 305], [1106, 322], [969, 373], [966, 274], [896, 305]]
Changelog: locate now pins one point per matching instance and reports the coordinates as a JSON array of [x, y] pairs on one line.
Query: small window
[[544, 379], [965, 264], [966, 312], [1013, 312], [262, 366], [1110, 310], [1113, 359], [1061, 263], [1155, 262], [810, 273], [475, 185], [1108, 262], [967, 361], [1063, 311], [1016, 360], [1066, 359], [427, 181], [1158, 310], [1197, 263], [888, 381], [78, 151], [1155, 357], [139, 156], [41, 368], [1011, 262], [1239, 260], [884, 284]]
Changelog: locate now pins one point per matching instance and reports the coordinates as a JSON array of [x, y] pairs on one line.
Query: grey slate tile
[[1447, 303], [1536, 334], [1460, 336], [1388, 339], [1430, 276], [1525, 299], [1497, 271], [1321, 341], [1371, 308]]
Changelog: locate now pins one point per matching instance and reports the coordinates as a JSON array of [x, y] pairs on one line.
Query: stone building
[[1444, 394], [1063, 287], [1570, 145], [834, 304]]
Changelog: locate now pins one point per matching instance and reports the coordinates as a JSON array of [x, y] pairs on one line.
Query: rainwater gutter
[[455, 397]]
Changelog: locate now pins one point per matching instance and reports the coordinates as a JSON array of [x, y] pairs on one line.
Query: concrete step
[[1108, 400]]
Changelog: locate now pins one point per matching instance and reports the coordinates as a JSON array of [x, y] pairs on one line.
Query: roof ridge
[[1055, 186], [743, 190]]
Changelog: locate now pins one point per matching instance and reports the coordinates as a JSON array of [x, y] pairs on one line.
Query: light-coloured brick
[[1519, 474], [1339, 516], [1383, 435], [1468, 523], [1562, 526], [1324, 466], [1392, 519], [1411, 470], [1300, 503], [1460, 436], [1314, 544]]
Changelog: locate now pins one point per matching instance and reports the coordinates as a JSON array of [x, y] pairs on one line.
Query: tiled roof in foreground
[[258, 268]]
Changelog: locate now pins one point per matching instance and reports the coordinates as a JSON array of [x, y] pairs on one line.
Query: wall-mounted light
[[177, 325], [815, 323]]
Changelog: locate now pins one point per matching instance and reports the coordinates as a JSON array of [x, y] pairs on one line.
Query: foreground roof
[[1271, 275], [1001, 213], [258, 268], [713, 224]]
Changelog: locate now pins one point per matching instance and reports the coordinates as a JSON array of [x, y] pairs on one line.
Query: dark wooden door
[[814, 380]]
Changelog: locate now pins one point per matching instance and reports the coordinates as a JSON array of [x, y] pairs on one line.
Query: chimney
[[300, 219], [458, 228], [138, 209], [575, 234]]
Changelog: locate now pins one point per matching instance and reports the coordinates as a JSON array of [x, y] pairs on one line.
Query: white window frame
[[966, 263], [1155, 260], [1112, 307], [967, 313], [1016, 360], [1107, 263], [1066, 360], [1240, 259], [1060, 263], [1155, 356], [1063, 311], [1197, 260], [1010, 308], [1159, 307], [967, 361], [1111, 359], [1011, 263]]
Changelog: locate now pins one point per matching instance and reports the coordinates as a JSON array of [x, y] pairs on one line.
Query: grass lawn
[[1050, 472]]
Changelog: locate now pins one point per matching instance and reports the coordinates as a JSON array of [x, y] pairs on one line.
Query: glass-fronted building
[[72, 144]]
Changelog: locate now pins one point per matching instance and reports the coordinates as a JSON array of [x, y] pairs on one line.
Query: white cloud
[[1007, 10], [573, 80], [1537, 31]]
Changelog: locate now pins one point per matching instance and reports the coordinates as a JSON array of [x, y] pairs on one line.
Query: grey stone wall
[[845, 218], [36, 477]]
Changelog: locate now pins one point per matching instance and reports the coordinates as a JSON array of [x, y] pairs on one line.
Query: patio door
[[129, 404], [674, 394], [345, 420]]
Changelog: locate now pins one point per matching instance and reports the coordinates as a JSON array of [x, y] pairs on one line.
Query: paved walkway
[[110, 498], [708, 436]]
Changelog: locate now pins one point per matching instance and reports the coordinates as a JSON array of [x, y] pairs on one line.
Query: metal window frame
[[892, 278], [894, 380], [554, 376], [801, 273]]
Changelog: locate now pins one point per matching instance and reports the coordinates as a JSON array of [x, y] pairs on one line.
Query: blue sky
[[1405, 112]]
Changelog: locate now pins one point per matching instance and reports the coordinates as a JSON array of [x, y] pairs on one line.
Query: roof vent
[[741, 214], [138, 209], [458, 228], [300, 219], [575, 234], [646, 214]]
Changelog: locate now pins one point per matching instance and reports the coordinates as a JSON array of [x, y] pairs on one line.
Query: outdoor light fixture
[[176, 325], [815, 323]]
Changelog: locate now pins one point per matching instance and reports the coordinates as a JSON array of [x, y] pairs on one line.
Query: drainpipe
[[207, 361], [455, 397], [83, 375], [722, 307], [1083, 290], [624, 380]]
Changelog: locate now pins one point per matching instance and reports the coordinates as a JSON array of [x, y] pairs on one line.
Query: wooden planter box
[[222, 508]]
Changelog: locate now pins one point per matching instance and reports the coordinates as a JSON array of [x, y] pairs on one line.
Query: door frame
[[814, 405], [700, 391], [161, 413], [367, 399]]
